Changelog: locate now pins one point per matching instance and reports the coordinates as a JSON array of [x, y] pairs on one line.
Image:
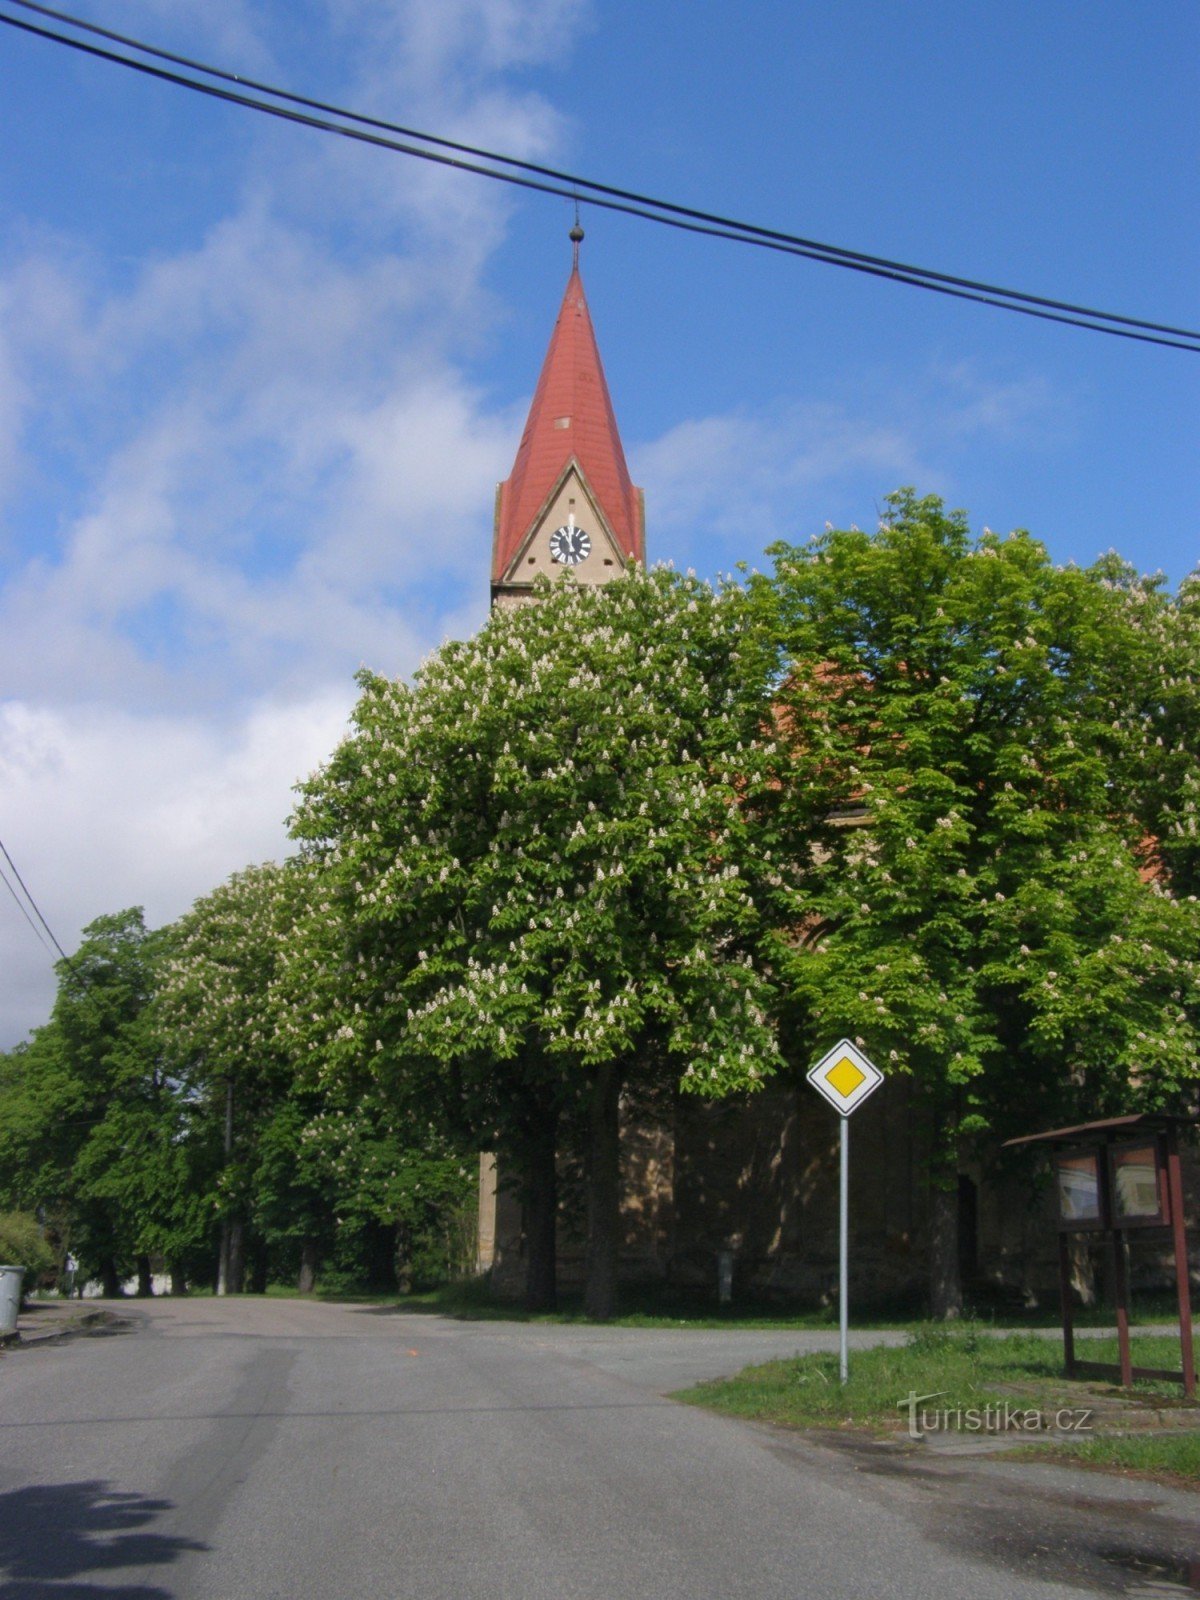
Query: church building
[[751, 1177]]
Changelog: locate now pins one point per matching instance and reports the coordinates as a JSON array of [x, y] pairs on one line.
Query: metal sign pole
[[844, 1077], [844, 1256]]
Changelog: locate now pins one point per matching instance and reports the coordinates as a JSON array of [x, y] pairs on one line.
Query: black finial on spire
[[576, 237]]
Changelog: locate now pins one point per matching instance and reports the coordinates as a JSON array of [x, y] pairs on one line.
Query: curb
[[87, 1322]]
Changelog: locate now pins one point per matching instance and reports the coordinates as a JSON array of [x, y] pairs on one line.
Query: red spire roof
[[571, 417]]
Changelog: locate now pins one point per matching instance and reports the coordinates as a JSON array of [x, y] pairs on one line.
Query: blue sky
[[257, 385]]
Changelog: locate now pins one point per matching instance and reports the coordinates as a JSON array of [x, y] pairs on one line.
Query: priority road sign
[[845, 1076]]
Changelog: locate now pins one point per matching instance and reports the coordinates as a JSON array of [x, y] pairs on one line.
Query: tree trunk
[[236, 1263], [945, 1283], [603, 1193], [225, 1257], [259, 1265], [541, 1214], [403, 1258], [307, 1280], [109, 1279], [145, 1286], [178, 1279]]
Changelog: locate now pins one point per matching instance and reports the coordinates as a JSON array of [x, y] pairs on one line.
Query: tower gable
[[571, 502]]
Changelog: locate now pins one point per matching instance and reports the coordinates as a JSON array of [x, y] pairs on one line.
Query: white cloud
[[1025, 409], [293, 531], [238, 469], [775, 468], [227, 30], [292, 464], [743, 471], [103, 809], [420, 45]]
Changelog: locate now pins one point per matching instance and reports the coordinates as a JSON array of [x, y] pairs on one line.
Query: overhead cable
[[33, 903], [549, 180], [21, 907]]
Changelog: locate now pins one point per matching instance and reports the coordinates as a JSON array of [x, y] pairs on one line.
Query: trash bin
[[10, 1298]]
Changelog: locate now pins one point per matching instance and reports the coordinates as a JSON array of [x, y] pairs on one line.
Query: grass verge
[[1172, 1455], [655, 1306], [652, 1307], [967, 1371]]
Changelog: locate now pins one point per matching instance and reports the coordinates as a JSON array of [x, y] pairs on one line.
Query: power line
[[578, 182], [34, 904], [24, 912], [68, 961], [549, 180]]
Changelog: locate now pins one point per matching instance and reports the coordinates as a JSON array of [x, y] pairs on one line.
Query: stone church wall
[[758, 1176]]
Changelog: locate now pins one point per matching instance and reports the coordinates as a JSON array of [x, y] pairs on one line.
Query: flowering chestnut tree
[[546, 854], [215, 1017], [314, 1163], [1161, 701], [998, 927]]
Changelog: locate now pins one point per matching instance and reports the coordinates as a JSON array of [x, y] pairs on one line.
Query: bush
[[23, 1243]]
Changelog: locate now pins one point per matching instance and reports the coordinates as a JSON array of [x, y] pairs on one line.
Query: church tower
[[568, 504], [569, 501]]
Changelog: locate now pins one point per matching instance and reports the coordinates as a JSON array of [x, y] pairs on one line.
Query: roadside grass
[[963, 1367], [967, 1369], [655, 1306], [658, 1306], [472, 1300], [335, 1296], [1173, 1454], [640, 1307]]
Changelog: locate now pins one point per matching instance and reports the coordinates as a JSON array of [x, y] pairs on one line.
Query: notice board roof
[[1152, 1121]]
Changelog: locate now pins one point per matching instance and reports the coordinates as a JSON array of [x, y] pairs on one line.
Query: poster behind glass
[[1077, 1174], [1136, 1186]]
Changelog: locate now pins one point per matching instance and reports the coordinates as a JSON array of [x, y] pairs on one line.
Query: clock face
[[570, 545]]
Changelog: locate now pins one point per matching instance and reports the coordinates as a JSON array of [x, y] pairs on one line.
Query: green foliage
[[542, 847], [250, 1002], [92, 1129], [957, 1370], [23, 1243], [545, 857], [1160, 715], [42, 1104], [1174, 1454], [112, 1116], [216, 1019], [992, 930], [919, 787]]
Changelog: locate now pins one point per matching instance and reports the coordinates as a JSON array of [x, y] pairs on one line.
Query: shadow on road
[[53, 1535]]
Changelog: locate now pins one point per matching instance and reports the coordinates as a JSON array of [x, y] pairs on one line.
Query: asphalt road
[[227, 1449]]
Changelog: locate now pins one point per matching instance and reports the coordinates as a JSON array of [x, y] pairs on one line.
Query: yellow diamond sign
[[845, 1076]]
